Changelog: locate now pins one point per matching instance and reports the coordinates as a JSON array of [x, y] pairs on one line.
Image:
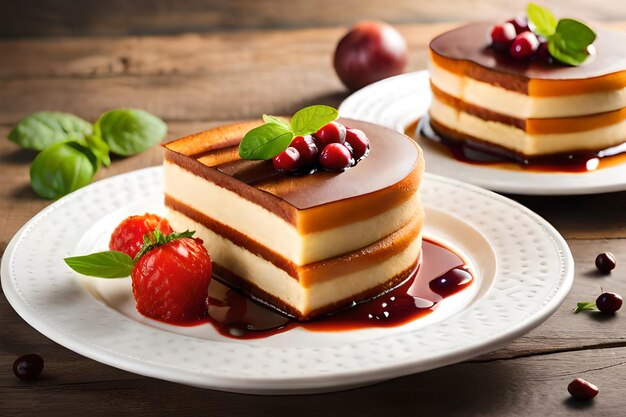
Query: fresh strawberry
[[170, 275], [128, 235], [171, 280]]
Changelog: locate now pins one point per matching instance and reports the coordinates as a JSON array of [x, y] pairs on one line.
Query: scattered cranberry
[[369, 52], [609, 302], [335, 157], [332, 132], [520, 23], [502, 35], [524, 45], [542, 51], [605, 262], [305, 145], [288, 160], [582, 390], [358, 141], [28, 367]]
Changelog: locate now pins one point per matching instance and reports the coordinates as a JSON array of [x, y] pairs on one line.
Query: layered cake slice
[[518, 100], [304, 244]]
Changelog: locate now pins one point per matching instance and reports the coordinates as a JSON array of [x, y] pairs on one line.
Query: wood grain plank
[[211, 54], [524, 386], [119, 17]]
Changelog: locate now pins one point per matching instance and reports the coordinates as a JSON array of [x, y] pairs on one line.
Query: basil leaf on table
[[109, 264], [130, 131], [310, 119], [62, 168], [99, 148], [265, 142], [42, 129]]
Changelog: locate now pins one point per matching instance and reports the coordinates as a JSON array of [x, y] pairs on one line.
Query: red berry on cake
[[288, 160], [524, 45], [502, 35], [332, 132], [358, 141], [128, 235], [305, 145], [335, 157], [171, 281], [520, 23]]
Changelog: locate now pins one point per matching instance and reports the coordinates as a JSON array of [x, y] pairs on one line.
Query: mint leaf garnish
[[109, 264], [568, 39], [268, 140], [542, 19], [156, 238], [278, 120], [310, 119], [265, 142], [585, 306]]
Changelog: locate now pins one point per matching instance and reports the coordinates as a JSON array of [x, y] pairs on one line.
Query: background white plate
[[398, 101], [523, 270]]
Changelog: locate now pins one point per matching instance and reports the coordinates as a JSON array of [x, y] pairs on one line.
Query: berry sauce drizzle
[[441, 274], [481, 154]]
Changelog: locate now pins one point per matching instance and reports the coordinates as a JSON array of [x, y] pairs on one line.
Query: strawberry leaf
[[156, 238]]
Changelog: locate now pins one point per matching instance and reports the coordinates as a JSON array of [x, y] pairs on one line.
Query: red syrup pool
[[480, 154], [441, 274]]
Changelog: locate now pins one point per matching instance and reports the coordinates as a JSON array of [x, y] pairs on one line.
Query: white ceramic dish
[[399, 101], [523, 271]]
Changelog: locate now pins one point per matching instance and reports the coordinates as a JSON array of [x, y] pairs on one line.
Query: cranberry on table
[[524, 45], [332, 132], [605, 262], [609, 302], [582, 390], [358, 141], [288, 160], [369, 52], [305, 145], [28, 367], [502, 35], [335, 157]]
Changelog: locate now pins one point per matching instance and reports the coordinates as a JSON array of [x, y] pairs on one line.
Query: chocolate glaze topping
[[393, 158], [470, 43]]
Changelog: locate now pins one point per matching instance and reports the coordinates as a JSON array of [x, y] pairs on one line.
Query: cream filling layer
[[278, 283], [521, 106], [511, 137], [274, 232]]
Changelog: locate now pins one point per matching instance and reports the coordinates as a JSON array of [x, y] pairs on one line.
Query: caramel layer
[[235, 281], [535, 126], [315, 272], [385, 179], [477, 111], [465, 51]]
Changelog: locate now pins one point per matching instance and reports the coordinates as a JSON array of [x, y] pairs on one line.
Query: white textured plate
[[398, 101], [523, 271]]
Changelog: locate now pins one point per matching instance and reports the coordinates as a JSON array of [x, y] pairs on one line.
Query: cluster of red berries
[[333, 147], [515, 37]]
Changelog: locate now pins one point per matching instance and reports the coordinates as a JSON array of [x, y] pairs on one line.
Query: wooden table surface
[[197, 81]]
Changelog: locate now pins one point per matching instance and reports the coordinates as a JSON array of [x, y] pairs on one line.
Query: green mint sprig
[[268, 140], [568, 39], [68, 142], [114, 264], [585, 306]]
